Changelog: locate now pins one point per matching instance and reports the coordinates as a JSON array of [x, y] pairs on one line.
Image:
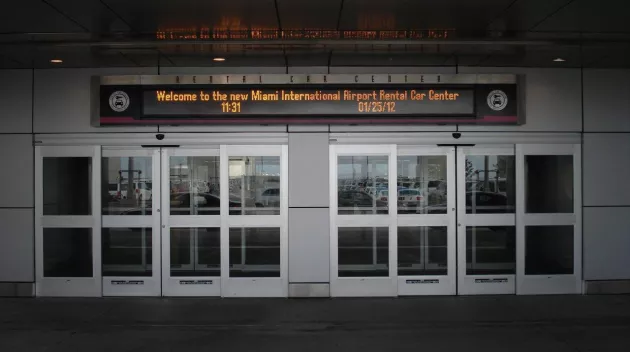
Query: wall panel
[[607, 100], [607, 243], [308, 170], [16, 101], [16, 245], [309, 245], [16, 163], [606, 169]]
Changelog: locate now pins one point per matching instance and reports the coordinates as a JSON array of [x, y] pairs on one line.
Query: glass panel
[[363, 251], [548, 250], [255, 252], [490, 184], [67, 184], [549, 184], [195, 252], [422, 184], [490, 250], [254, 182], [362, 183], [422, 250], [127, 251], [67, 252], [194, 185], [127, 185]]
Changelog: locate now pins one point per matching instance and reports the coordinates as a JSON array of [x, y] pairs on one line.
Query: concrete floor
[[508, 323]]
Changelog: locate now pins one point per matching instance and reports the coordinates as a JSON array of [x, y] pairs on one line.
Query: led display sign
[[199, 102], [289, 101]]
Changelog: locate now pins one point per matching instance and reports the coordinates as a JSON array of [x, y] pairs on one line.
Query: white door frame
[[549, 284], [363, 286], [254, 286], [432, 284], [186, 285], [137, 285], [64, 286], [480, 284]]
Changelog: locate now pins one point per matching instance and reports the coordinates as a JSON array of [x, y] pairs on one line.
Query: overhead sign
[[194, 100]]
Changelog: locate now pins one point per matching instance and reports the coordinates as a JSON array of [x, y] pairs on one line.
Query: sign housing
[[307, 99]]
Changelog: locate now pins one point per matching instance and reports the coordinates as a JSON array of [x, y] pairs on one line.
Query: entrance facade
[[119, 221], [445, 220], [212, 220]]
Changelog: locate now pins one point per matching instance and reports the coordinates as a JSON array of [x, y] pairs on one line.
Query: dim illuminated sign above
[[208, 33], [408, 99]]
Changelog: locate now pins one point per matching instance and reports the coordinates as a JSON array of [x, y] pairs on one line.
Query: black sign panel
[[264, 104]]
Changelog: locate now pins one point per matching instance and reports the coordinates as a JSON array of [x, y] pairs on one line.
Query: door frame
[[254, 286], [196, 286], [481, 284], [137, 285], [549, 284], [363, 286], [415, 285], [68, 286]]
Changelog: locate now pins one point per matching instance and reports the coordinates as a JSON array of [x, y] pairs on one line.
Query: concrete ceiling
[[113, 33]]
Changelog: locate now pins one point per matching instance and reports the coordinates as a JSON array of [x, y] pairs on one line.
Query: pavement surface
[[488, 323]]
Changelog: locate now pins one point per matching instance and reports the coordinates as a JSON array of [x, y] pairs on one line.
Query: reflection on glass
[[67, 252], [195, 252], [363, 251], [67, 186], [490, 184], [126, 185], [254, 185], [549, 184], [194, 185], [422, 250], [422, 184], [127, 251], [255, 252], [548, 250], [362, 183], [490, 250]]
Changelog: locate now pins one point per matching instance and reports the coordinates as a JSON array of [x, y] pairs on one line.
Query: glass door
[[363, 220], [550, 219], [130, 234], [486, 229], [426, 220], [254, 231], [191, 222], [67, 221]]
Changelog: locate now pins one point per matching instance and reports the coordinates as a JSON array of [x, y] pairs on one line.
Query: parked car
[[270, 198], [479, 203], [381, 194], [409, 200], [142, 190], [201, 204], [487, 203], [357, 202]]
